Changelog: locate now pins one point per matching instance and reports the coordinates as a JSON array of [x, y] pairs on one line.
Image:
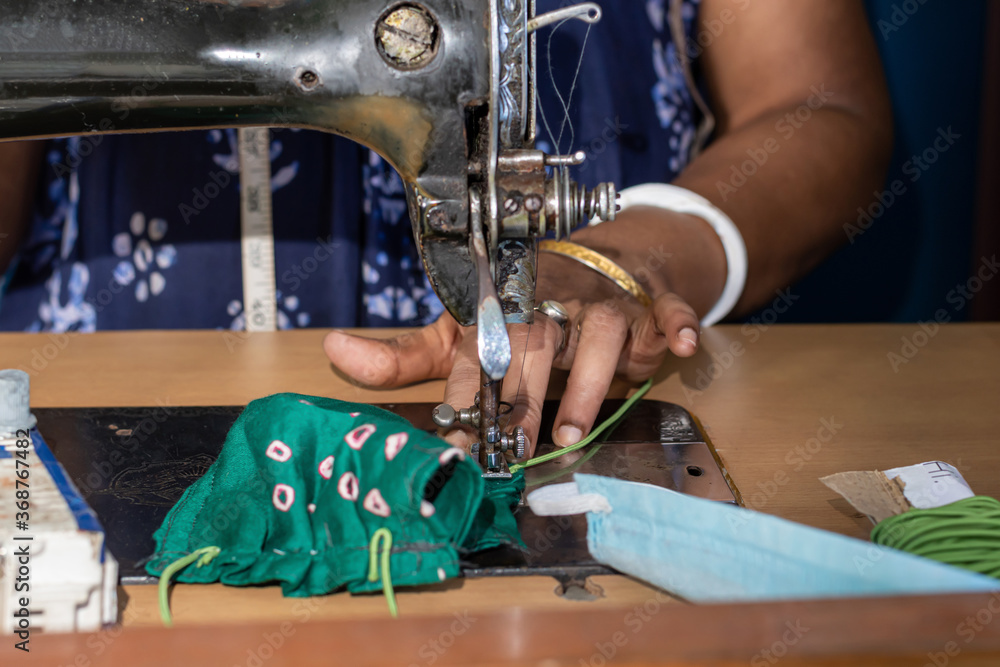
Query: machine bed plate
[[132, 464]]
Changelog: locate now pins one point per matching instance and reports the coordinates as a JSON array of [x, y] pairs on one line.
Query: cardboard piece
[[870, 492], [881, 495]]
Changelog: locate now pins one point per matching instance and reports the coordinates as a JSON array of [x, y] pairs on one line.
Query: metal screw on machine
[[407, 37], [516, 442], [15, 410], [446, 416]]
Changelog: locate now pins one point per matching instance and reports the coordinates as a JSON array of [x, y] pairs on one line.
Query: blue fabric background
[[111, 248], [142, 231], [903, 267]]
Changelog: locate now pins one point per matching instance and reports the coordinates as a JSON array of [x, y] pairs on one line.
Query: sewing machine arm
[[442, 89]]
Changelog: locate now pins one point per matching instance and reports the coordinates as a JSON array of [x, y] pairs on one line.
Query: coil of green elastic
[[965, 534]]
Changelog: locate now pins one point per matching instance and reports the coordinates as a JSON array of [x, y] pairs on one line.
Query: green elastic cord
[[965, 534], [606, 424], [204, 556], [383, 535], [542, 480]]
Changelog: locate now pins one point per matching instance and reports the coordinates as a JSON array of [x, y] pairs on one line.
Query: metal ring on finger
[[558, 314]]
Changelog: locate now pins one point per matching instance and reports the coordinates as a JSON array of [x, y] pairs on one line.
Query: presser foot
[[494, 463], [497, 469], [493, 444]]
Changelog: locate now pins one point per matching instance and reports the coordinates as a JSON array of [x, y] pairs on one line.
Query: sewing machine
[[443, 89]]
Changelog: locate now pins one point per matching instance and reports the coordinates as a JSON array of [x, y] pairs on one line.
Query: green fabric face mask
[[303, 483]]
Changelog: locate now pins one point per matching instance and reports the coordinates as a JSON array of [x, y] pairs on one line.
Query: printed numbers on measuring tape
[[260, 305]]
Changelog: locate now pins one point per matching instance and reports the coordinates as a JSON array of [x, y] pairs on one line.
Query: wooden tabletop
[[784, 406]]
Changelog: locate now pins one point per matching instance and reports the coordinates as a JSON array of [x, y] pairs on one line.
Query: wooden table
[[784, 406]]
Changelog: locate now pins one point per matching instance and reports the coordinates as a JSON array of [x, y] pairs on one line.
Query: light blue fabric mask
[[707, 551]]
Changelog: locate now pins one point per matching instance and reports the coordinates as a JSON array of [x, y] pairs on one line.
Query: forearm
[[803, 137], [19, 163], [790, 187], [804, 183], [802, 82]]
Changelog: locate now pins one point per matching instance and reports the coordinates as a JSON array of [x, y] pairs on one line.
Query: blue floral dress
[[142, 231]]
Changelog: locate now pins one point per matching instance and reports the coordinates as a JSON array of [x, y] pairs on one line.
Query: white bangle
[[682, 200]]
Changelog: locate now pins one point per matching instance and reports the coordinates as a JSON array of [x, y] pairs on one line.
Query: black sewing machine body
[[441, 88], [69, 68]]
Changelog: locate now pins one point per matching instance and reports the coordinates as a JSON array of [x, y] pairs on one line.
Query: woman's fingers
[[532, 350], [606, 344], [528, 382], [601, 344], [603, 329], [412, 357], [670, 324], [460, 392]]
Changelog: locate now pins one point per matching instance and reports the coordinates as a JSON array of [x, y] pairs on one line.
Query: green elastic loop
[[964, 534], [383, 535], [204, 556], [606, 424]]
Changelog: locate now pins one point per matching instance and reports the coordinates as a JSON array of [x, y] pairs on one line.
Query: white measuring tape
[[260, 294]]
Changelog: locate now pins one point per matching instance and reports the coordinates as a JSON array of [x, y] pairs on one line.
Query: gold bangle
[[599, 263]]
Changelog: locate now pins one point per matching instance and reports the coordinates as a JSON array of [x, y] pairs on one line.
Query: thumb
[[411, 357]]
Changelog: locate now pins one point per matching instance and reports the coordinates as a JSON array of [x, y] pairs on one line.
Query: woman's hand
[[609, 333]]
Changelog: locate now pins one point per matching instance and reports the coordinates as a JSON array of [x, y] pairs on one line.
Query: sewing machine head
[[443, 89]]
